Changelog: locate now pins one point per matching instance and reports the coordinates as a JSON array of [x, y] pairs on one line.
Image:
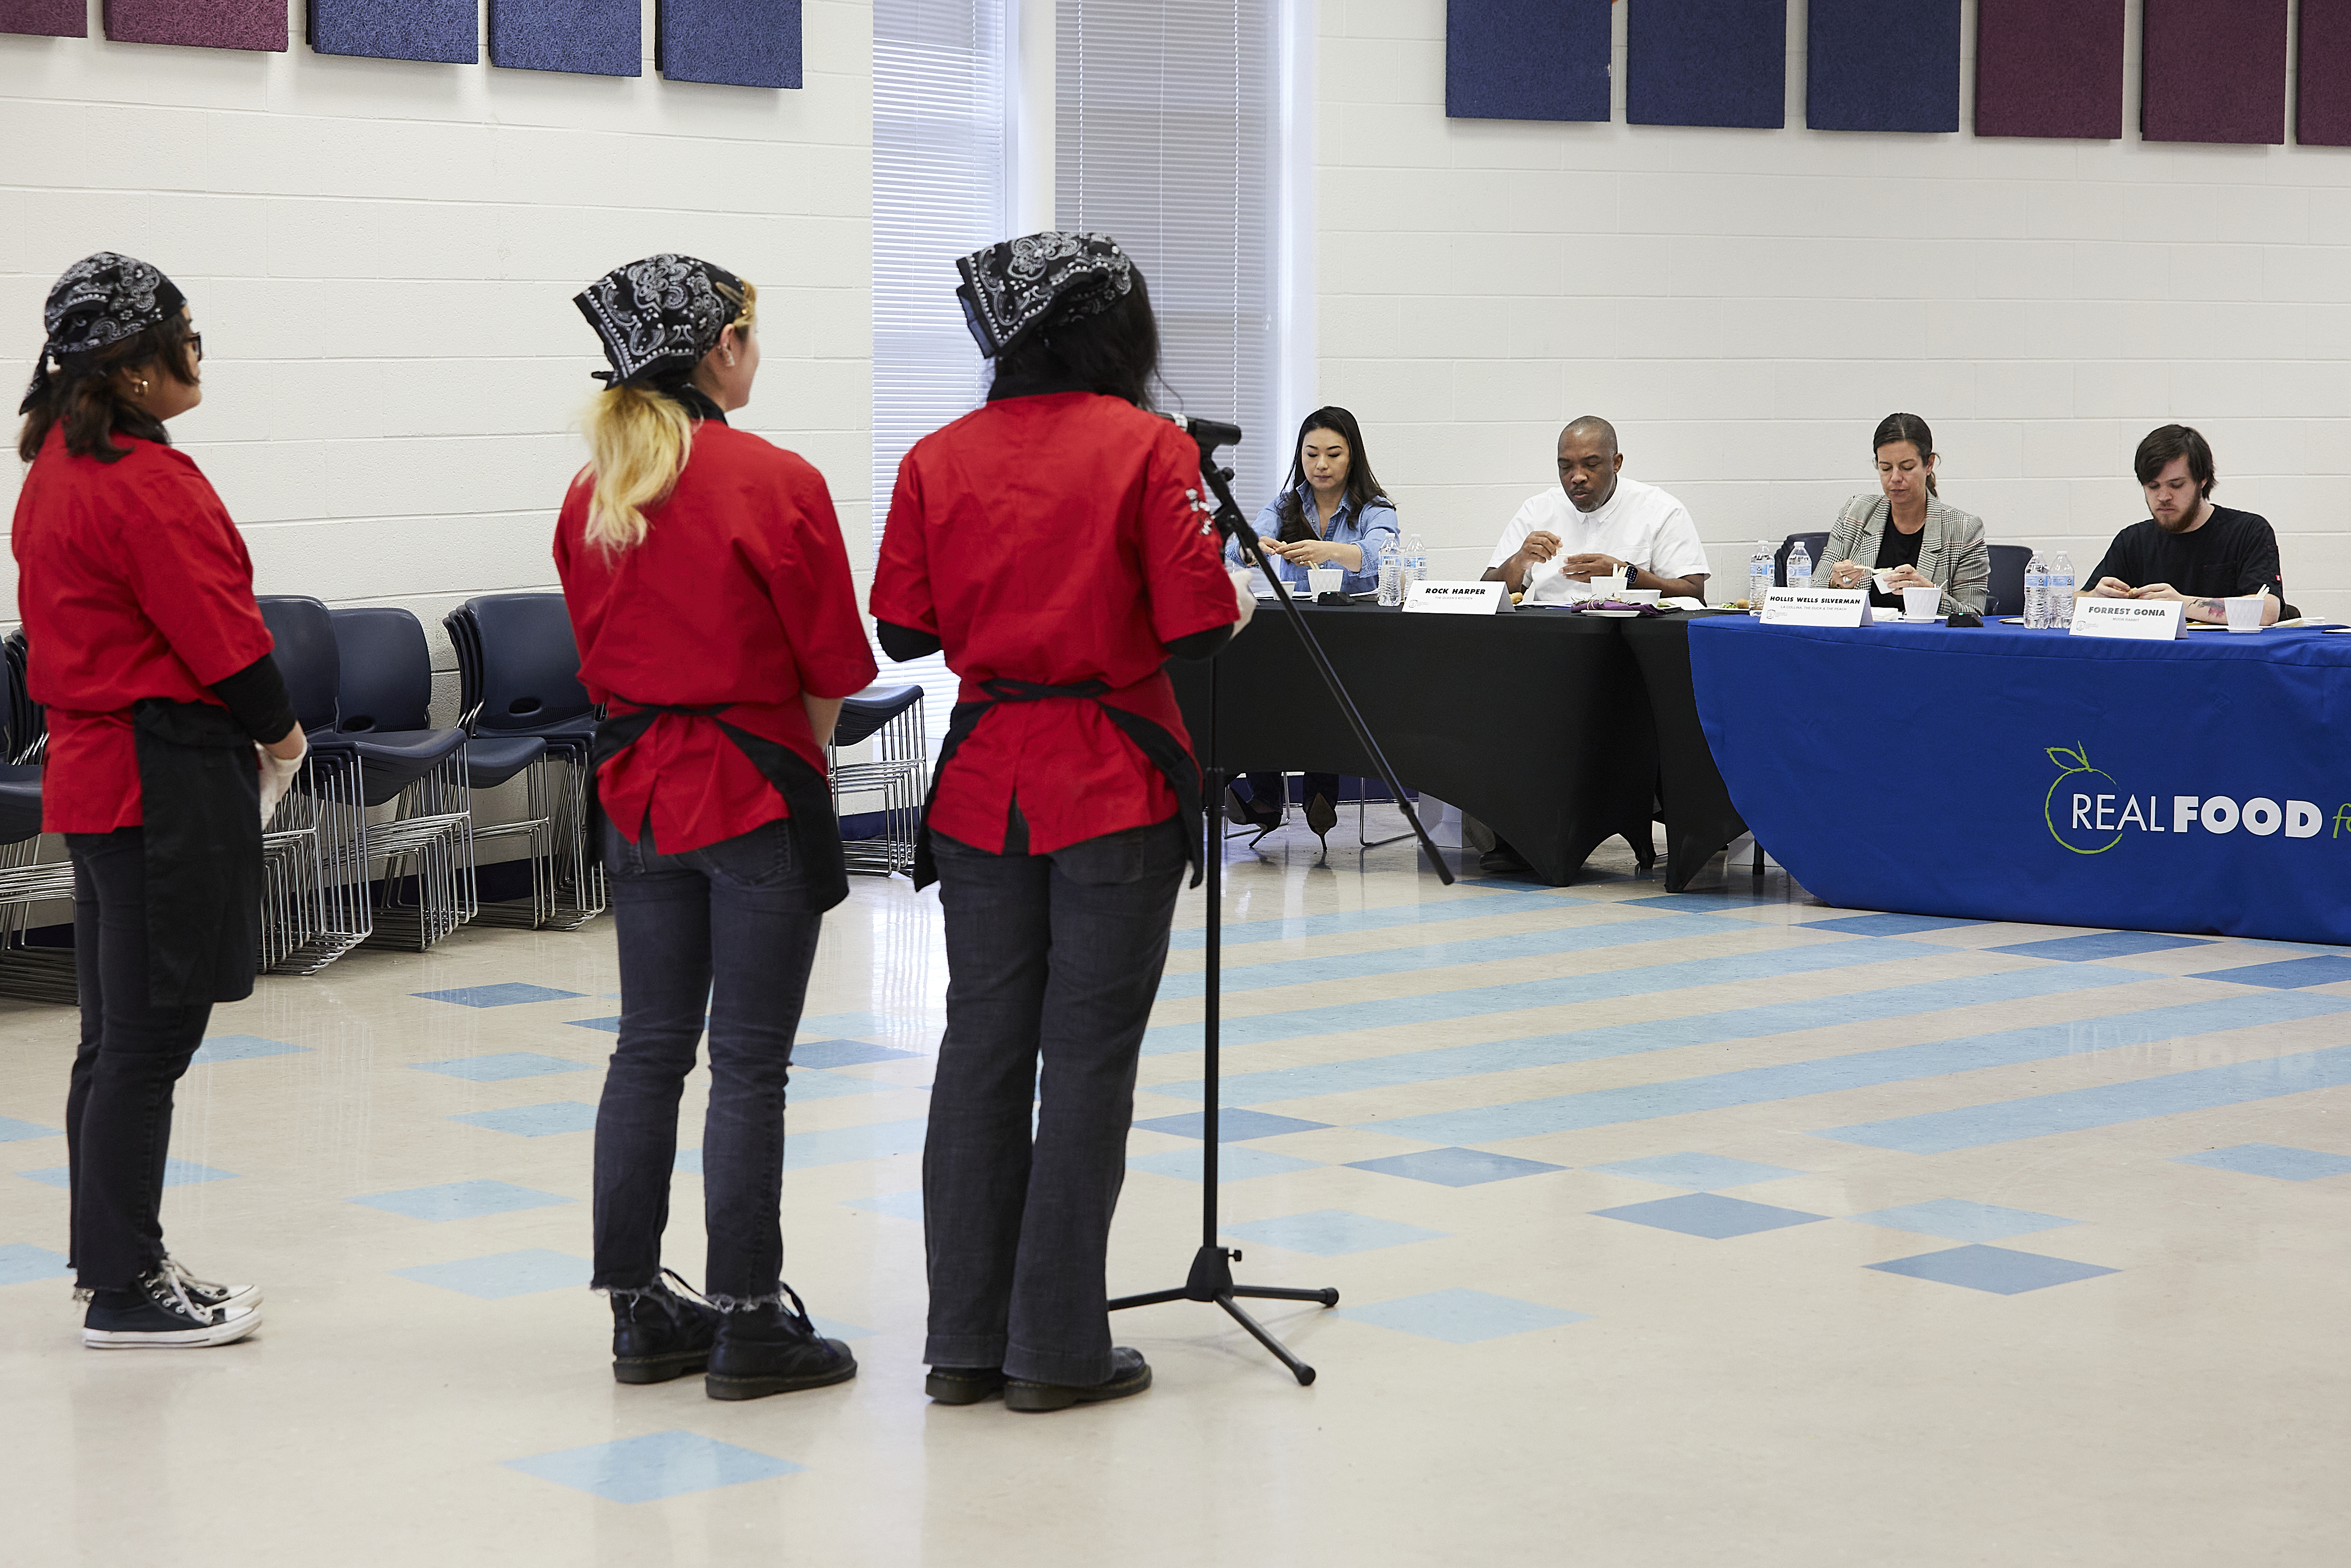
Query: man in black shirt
[[2188, 549]]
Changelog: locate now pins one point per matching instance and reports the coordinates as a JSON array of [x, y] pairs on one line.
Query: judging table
[[1559, 730], [1993, 773]]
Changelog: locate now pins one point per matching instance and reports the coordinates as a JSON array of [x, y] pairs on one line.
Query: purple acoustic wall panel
[[1706, 62], [2214, 71], [1883, 65], [205, 24], [446, 32], [593, 37], [736, 43], [45, 18], [1526, 60], [2322, 96], [2050, 68]]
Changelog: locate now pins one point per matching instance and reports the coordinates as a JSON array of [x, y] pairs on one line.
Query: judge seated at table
[[1598, 523], [2189, 548], [1906, 530]]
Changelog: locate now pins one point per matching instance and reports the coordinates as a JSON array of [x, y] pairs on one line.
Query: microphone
[[1210, 434]]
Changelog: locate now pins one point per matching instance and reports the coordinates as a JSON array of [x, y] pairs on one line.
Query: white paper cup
[[1921, 604], [2245, 615], [1321, 579]]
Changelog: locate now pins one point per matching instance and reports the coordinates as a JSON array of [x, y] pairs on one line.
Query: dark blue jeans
[[119, 1104], [1054, 956], [721, 924]]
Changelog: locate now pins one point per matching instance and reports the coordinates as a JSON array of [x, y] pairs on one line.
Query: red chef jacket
[[1054, 539], [739, 594], [133, 582]]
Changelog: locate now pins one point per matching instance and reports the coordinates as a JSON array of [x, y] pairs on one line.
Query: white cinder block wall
[[1746, 305], [381, 254]]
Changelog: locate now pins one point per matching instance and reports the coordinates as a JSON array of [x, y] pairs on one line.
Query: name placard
[[1816, 607], [2154, 620], [1457, 598]]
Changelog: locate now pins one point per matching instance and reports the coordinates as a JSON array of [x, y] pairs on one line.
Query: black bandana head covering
[[658, 316], [101, 300], [1011, 288]]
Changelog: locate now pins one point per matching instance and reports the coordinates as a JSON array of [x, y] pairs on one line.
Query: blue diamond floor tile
[[241, 1048], [1232, 1124], [1236, 1163], [2272, 1160], [176, 1173], [1709, 1215], [1461, 1317], [1992, 1269], [513, 993], [842, 1053], [500, 1066], [811, 1084], [1701, 903], [1958, 1219], [1887, 924], [13, 1131], [2286, 974], [460, 1200], [1331, 1232], [503, 1274], [21, 1263], [897, 1205], [1700, 1173], [535, 1121], [658, 1465], [609, 1025], [1453, 1167], [2091, 945]]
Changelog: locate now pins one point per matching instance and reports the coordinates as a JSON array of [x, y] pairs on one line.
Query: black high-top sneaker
[[658, 1334], [773, 1349], [205, 1292], [157, 1313]]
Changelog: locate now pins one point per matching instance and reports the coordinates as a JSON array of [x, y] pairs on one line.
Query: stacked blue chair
[[33, 973], [317, 903], [890, 716]]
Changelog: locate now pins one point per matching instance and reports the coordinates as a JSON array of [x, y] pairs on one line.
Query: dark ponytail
[[83, 396], [1906, 427]]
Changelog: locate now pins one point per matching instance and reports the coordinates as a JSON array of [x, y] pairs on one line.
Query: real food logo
[[2089, 814]]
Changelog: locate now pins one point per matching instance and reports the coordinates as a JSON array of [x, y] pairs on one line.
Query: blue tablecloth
[[2202, 785]]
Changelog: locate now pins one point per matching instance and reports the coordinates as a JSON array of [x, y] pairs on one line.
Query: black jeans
[[119, 1106], [1268, 790], [722, 923], [1055, 955]]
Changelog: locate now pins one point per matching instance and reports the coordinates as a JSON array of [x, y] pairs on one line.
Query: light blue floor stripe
[[1665, 1034], [1446, 954], [2077, 1110], [1474, 907], [1566, 991], [840, 1145], [1896, 1064]]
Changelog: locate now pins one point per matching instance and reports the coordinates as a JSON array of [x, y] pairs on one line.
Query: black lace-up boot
[[769, 1348], [658, 1334]]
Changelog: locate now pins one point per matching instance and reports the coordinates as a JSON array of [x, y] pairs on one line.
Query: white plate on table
[[1617, 614]]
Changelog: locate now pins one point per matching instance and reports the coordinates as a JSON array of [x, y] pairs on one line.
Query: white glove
[[1246, 600], [276, 777]]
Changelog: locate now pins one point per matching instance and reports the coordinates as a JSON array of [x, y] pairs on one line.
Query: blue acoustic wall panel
[[1706, 62], [593, 37], [447, 32], [1883, 65], [1526, 60], [738, 43]]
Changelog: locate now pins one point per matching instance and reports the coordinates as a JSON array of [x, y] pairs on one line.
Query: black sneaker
[[772, 1349], [205, 1292], [962, 1385], [1129, 1374], [157, 1313], [658, 1334]]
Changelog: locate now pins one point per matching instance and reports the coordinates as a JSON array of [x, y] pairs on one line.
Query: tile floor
[[1702, 1229]]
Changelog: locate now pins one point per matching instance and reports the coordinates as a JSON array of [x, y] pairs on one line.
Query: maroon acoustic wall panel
[[2214, 71], [2322, 95], [205, 24], [2050, 68], [45, 18]]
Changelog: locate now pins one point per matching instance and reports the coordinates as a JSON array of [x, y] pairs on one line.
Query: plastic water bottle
[[1390, 573], [1415, 561], [2061, 592], [1758, 576], [1800, 567], [2036, 591]]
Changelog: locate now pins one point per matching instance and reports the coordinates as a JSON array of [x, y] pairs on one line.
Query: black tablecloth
[[1698, 815]]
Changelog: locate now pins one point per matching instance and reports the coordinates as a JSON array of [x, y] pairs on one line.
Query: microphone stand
[[1211, 1279]]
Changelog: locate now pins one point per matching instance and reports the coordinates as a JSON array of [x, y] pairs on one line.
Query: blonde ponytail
[[637, 445]]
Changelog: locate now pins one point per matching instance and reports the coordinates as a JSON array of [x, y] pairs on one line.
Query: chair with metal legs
[[891, 716]]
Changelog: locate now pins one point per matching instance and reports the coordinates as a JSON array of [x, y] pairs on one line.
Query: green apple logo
[[2076, 776]]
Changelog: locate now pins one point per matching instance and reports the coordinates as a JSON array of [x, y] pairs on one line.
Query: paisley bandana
[[1011, 288], [101, 300], [658, 316]]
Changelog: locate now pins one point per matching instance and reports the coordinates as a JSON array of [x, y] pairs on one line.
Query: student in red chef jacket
[[1056, 543], [149, 654], [710, 591]]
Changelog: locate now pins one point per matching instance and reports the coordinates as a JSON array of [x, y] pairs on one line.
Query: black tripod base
[[1212, 1280]]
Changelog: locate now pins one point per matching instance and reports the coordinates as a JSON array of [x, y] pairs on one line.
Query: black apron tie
[[815, 829], [200, 809], [1164, 752]]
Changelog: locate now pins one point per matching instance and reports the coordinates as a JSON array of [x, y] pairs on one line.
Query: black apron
[[1167, 753], [815, 831], [200, 800]]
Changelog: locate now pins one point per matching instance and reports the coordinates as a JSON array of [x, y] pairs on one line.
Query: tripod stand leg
[[1298, 1369], [1329, 1298]]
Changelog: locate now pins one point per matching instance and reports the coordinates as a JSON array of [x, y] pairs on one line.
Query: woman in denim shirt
[[1330, 513]]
